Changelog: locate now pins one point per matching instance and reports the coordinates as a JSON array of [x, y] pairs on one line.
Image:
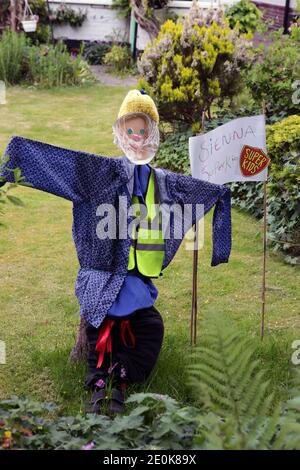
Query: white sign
[[215, 156]]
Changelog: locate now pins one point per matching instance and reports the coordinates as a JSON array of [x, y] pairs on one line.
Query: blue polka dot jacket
[[90, 180]]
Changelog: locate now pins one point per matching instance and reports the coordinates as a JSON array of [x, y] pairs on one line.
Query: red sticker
[[253, 160]]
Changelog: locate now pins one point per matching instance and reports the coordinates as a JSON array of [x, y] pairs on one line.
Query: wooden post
[[263, 289], [194, 291], [193, 329]]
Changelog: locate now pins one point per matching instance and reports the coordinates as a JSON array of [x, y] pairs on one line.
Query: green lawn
[[39, 310]]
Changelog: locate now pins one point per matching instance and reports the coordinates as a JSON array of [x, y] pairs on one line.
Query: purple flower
[[88, 446]]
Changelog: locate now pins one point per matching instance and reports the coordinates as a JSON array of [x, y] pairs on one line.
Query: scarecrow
[[125, 235]]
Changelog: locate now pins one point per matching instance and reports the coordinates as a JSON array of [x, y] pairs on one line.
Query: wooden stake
[[193, 329], [263, 292], [263, 289], [194, 292]]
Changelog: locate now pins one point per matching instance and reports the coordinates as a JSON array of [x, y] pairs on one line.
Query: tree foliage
[[273, 74]]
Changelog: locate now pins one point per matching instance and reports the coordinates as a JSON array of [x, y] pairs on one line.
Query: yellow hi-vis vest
[[147, 243]]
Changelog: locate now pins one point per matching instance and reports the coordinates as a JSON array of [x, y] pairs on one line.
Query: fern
[[240, 410]]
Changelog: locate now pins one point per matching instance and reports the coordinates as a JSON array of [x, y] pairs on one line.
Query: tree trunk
[[148, 22], [16, 13], [13, 14], [80, 350]]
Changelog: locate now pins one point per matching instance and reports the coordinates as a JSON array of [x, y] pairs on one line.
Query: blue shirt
[[137, 291]]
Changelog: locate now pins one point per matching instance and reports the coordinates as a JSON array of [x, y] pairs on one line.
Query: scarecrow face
[[138, 136], [136, 128], [137, 131]]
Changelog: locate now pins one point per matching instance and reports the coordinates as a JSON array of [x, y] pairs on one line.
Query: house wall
[[102, 22]]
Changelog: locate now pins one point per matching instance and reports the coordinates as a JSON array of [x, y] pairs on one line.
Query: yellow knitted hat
[[137, 101]]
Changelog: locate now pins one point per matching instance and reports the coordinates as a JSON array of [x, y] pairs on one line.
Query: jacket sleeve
[[66, 173], [194, 191]]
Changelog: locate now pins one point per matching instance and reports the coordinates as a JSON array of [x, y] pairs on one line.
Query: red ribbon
[[104, 342], [125, 327]]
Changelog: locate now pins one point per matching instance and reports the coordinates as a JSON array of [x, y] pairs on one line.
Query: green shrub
[[283, 137], [294, 29], [274, 73], [244, 15], [54, 67], [118, 59], [44, 67], [12, 53], [283, 143], [156, 422], [283, 215], [173, 153], [94, 52], [192, 64]]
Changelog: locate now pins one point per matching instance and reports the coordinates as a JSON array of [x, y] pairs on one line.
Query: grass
[[39, 310]]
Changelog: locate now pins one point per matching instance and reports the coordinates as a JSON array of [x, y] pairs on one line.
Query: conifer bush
[[192, 64]]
